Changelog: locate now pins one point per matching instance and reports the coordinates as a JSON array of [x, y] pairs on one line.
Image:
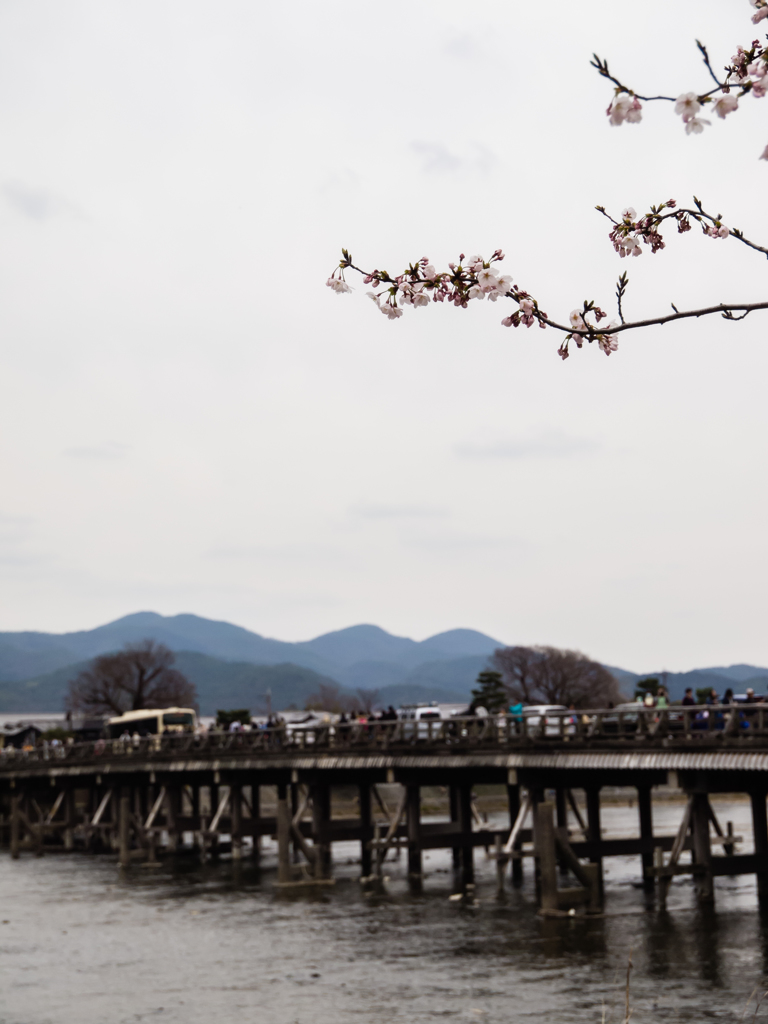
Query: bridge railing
[[636, 725]]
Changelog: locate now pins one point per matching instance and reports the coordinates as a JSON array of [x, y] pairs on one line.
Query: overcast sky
[[192, 422]]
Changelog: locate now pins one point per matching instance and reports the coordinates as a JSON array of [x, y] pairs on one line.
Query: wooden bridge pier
[[453, 806], [413, 817], [592, 794], [645, 816], [366, 830], [513, 803], [760, 830], [148, 815]]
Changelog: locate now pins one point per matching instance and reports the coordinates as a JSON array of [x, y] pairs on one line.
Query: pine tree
[[490, 692], [649, 685]]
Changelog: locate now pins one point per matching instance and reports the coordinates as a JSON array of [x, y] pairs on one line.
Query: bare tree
[[368, 699], [329, 697], [546, 675], [140, 676]]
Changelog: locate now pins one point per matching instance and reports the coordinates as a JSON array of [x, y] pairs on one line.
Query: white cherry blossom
[[625, 108], [725, 104], [337, 285], [608, 342], [487, 279], [695, 125], [687, 105]]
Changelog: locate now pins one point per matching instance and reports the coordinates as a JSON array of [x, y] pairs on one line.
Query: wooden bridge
[[216, 793]]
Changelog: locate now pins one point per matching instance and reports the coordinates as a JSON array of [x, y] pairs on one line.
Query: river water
[[190, 943]]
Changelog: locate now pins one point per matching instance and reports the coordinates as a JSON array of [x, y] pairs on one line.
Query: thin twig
[[602, 68], [705, 55]]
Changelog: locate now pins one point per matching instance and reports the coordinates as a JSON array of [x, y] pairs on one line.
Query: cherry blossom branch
[[628, 232], [421, 284], [747, 73], [476, 278]]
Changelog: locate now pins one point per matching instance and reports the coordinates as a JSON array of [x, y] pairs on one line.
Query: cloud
[[288, 553], [339, 180], [398, 512], [547, 445], [109, 452], [464, 45], [459, 542], [21, 561], [438, 159], [6, 520], [35, 203]]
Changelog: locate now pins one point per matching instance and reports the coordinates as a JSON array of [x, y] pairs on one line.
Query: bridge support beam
[[283, 836], [173, 811], [198, 843], [513, 802], [593, 824], [295, 848], [366, 830], [465, 824], [213, 801], [760, 831], [702, 850], [15, 824], [321, 820], [561, 812], [124, 836], [546, 859], [453, 802], [256, 818], [645, 814], [236, 812], [69, 818], [413, 816]]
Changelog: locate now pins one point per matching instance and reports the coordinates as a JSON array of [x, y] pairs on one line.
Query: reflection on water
[[189, 944]]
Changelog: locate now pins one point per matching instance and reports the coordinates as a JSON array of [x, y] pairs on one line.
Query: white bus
[[153, 722]]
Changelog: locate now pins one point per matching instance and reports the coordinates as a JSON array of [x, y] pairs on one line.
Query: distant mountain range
[[234, 667]]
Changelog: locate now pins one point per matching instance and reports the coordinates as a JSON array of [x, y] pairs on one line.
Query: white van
[[416, 719], [537, 714]]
